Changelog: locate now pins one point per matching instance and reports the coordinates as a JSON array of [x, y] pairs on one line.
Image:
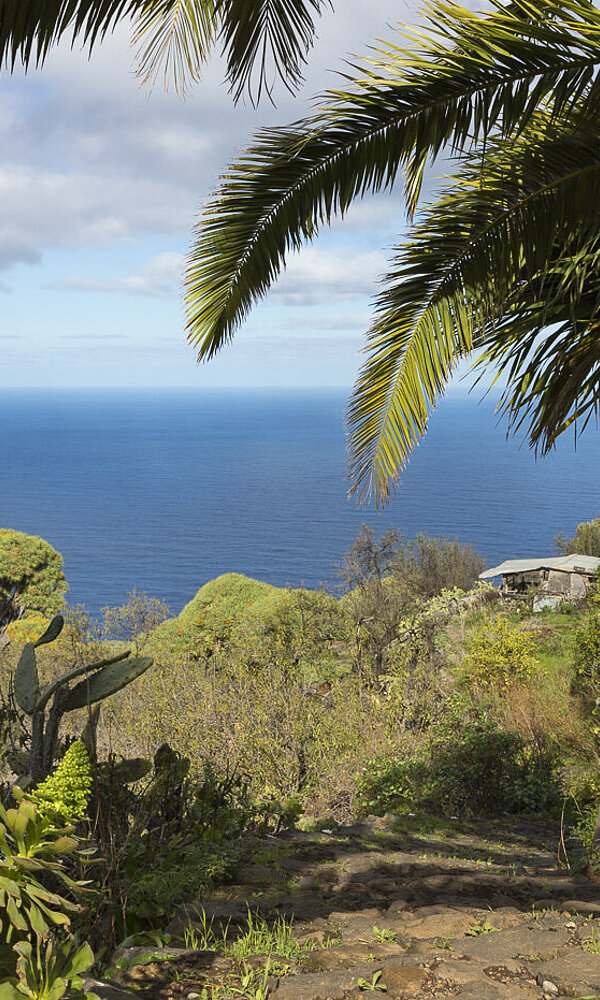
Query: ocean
[[162, 490]]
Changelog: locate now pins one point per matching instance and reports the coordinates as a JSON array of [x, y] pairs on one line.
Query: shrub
[[135, 620], [500, 655], [390, 784], [34, 570], [586, 655], [474, 769], [388, 579], [478, 768], [586, 540], [162, 841], [430, 565]]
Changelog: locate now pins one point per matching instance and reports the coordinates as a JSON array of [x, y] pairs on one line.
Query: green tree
[[427, 565], [377, 602], [585, 542], [503, 262], [134, 621], [32, 571], [388, 579]]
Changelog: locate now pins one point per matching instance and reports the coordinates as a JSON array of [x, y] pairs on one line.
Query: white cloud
[[160, 276], [87, 157], [43, 209], [318, 276]]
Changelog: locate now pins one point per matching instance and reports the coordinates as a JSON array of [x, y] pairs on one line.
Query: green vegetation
[[500, 654], [586, 540], [31, 576], [261, 43], [40, 956], [102, 678], [466, 769], [265, 705], [67, 790], [256, 937]]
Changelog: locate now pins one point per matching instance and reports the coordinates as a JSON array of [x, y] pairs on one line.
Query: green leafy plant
[[373, 985], [479, 929], [252, 984], [32, 848], [384, 934], [49, 970], [502, 262], [586, 657], [464, 769], [592, 943], [40, 958], [200, 935], [66, 791], [586, 540], [263, 938]]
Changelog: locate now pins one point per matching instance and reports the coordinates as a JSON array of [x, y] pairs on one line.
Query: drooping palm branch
[[495, 264], [471, 87], [261, 39]]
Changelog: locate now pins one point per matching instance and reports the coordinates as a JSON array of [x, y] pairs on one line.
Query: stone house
[[547, 581]]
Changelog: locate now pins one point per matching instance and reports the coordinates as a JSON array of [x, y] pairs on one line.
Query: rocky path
[[480, 913]]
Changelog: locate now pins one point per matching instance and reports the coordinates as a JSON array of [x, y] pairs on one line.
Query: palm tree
[[504, 262], [261, 39]]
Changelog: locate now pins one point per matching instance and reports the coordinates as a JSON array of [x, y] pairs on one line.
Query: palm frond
[[266, 39], [487, 267], [547, 347], [472, 75], [263, 40], [29, 28], [174, 39]]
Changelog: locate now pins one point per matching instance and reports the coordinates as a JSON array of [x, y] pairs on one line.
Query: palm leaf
[[29, 28], [262, 39], [488, 266], [173, 38], [266, 39], [469, 76]]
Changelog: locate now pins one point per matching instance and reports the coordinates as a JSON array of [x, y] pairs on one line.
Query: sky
[[100, 186]]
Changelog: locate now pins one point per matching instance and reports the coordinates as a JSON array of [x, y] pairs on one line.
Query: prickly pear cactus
[[102, 678]]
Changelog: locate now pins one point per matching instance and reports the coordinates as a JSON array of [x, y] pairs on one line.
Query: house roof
[[588, 565]]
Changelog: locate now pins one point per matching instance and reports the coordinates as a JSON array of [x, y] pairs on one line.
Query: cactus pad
[[106, 682], [26, 681]]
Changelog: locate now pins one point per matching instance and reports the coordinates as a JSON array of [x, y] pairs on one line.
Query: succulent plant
[[100, 679]]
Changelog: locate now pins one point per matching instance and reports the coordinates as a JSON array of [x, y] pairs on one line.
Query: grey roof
[[588, 565]]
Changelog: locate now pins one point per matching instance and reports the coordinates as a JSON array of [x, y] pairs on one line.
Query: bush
[[134, 621], [500, 655], [161, 841], [476, 769], [586, 656], [586, 540], [389, 784], [31, 567], [430, 565]]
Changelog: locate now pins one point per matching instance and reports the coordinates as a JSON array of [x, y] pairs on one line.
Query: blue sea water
[[163, 490]]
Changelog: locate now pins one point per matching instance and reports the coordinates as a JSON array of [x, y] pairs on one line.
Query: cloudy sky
[[100, 184]]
